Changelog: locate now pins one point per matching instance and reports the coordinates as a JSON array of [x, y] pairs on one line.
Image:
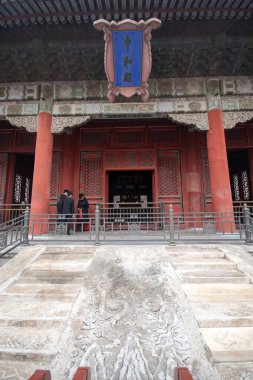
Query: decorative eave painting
[[127, 58]]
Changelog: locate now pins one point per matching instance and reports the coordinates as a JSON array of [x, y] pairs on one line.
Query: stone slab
[[44, 275], [229, 344], [219, 292], [43, 289], [235, 371], [195, 250], [66, 265], [208, 276], [221, 280], [196, 255], [35, 310], [71, 256], [227, 314], [28, 343], [209, 273], [215, 264], [53, 279]]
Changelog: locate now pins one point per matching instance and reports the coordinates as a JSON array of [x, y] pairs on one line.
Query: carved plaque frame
[[127, 25]]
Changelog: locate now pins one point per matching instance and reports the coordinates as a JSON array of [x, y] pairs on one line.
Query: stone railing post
[[25, 229], [162, 208], [171, 216], [97, 222], [247, 224]]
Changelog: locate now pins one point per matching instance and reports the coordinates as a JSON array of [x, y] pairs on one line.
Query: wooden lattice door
[[3, 174], [169, 178], [206, 181], [91, 176], [23, 178]]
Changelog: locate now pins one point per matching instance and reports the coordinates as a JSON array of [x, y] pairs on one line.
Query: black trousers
[[68, 220]]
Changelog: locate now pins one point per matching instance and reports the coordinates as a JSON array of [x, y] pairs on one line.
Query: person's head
[[65, 192], [81, 196], [70, 194]]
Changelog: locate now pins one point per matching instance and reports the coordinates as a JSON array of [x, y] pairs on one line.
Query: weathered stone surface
[[43, 289], [227, 314], [127, 312], [198, 264], [58, 264], [35, 310], [208, 276], [28, 343], [230, 344], [219, 292], [235, 371]]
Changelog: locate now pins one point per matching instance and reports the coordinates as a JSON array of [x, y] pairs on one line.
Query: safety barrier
[[152, 221], [149, 222], [82, 373], [14, 231]]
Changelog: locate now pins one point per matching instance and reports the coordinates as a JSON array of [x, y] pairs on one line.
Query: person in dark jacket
[[59, 205], [68, 210], [82, 209]]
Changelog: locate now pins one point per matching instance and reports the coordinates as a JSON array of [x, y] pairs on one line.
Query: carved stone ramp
[[127, 312]]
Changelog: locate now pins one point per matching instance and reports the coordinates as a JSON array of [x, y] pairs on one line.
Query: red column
[[219, 173], [42, 167], [67, 159]]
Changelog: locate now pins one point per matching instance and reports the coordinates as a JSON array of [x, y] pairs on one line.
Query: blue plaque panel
[[127, 52]]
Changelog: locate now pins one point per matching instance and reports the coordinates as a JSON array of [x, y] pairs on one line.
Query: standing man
[[82, 208], [61, 198], [68, 209]]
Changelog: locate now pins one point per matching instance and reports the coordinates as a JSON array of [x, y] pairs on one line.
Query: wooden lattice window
[[55, 175], [94, 138], [164, 137], [147, 158], [113, 159], [128, 137], [130, 159], [3, 174], [91, 171], [206, 173], [169, 172]]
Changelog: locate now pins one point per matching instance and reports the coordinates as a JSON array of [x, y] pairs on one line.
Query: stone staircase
[[131, 312], [220, 291], [37, 291]]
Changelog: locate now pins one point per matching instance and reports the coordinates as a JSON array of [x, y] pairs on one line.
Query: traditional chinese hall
[[182, 136]]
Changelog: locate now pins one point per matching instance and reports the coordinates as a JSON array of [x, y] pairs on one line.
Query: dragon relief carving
[[130, 332]]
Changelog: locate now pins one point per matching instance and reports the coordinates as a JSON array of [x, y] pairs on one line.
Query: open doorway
[[23, 178], [238, 162], [130, 186]]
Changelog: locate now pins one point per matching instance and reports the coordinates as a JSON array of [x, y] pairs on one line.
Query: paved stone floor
[[129, 312]]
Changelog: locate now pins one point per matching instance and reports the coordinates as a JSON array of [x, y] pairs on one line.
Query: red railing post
[[82, 373], [40, 374], [182, 373]]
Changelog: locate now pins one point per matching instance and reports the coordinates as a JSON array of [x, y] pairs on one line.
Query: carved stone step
[[229, 344], [26, 343], [223, 314], [212, 264], [219, 292]]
